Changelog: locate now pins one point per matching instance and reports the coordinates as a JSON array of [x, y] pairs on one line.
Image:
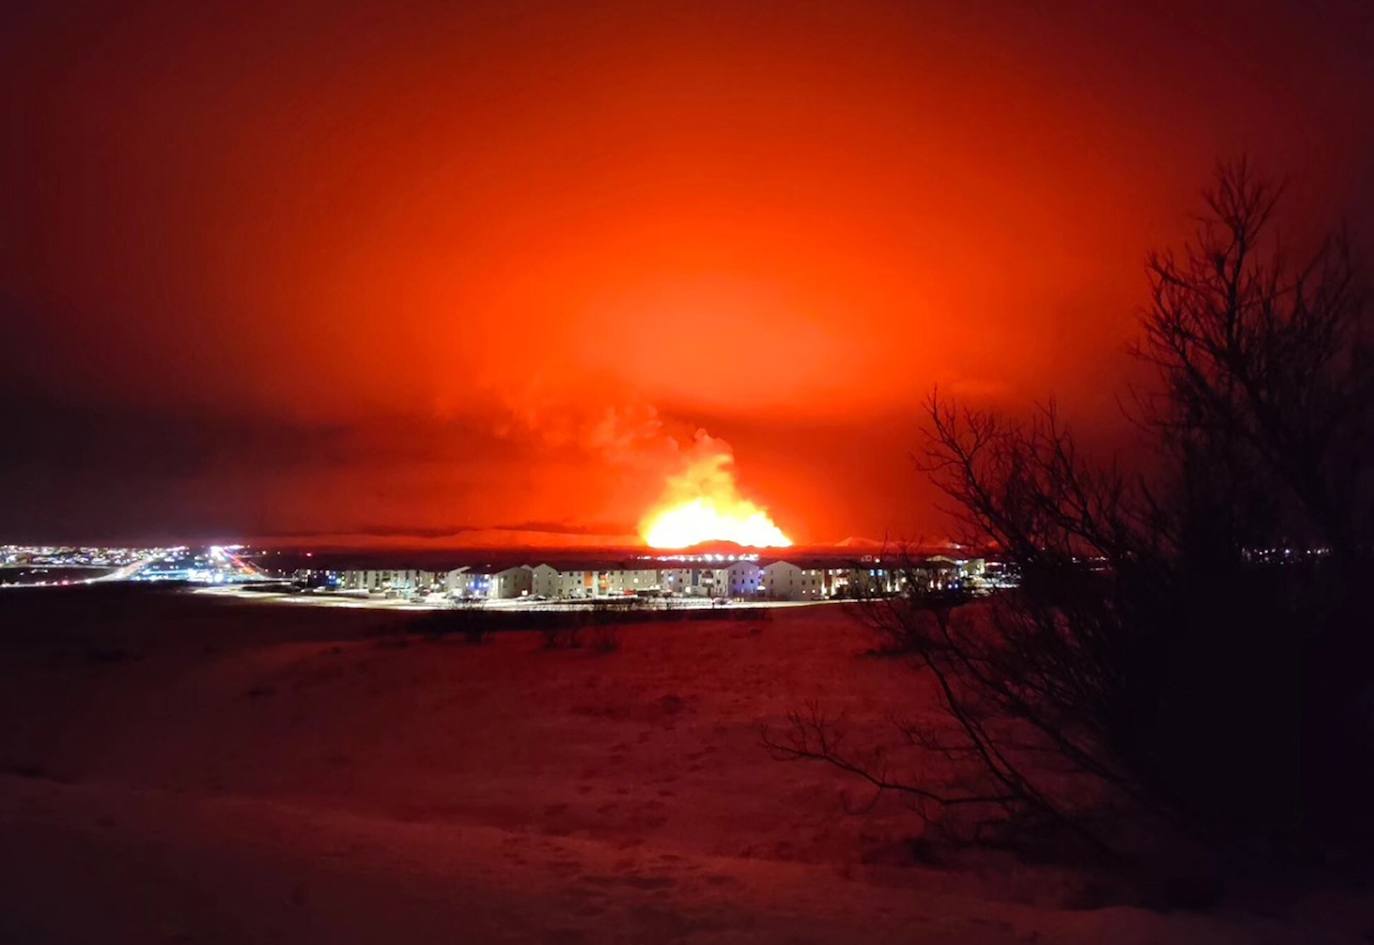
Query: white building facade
[[512, 583], [544, 581], [743, 579], [783, 580], [627, 581]]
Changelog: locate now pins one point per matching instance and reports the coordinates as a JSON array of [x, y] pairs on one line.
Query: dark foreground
[[181, 769]]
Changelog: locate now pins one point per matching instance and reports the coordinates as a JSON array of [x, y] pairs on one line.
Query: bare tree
[[1154, 650], [1266, 368]]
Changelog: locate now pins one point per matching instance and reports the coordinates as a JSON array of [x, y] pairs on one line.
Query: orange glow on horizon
[[702, 504], [473, 274]]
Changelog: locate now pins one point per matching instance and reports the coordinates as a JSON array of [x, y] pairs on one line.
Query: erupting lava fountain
[[702, 505]]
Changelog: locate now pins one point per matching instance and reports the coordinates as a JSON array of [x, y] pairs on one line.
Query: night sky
[[493, 273]]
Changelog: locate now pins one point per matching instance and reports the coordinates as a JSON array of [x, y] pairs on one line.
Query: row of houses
[[777, 580]]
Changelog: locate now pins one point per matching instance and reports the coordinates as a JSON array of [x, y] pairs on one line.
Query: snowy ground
[[185, 768]]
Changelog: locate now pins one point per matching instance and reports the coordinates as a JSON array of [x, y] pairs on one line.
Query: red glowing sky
[[436, 272]]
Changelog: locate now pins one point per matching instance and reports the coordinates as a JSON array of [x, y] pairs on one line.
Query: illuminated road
[[521, 605], [221, 558], [128, 572]]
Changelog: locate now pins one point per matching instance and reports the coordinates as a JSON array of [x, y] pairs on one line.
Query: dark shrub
[[1192, 643]]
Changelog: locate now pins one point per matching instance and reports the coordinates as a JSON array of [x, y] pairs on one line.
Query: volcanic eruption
[[702, 504]]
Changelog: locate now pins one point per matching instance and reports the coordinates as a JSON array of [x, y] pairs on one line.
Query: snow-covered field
[[178, 767]]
